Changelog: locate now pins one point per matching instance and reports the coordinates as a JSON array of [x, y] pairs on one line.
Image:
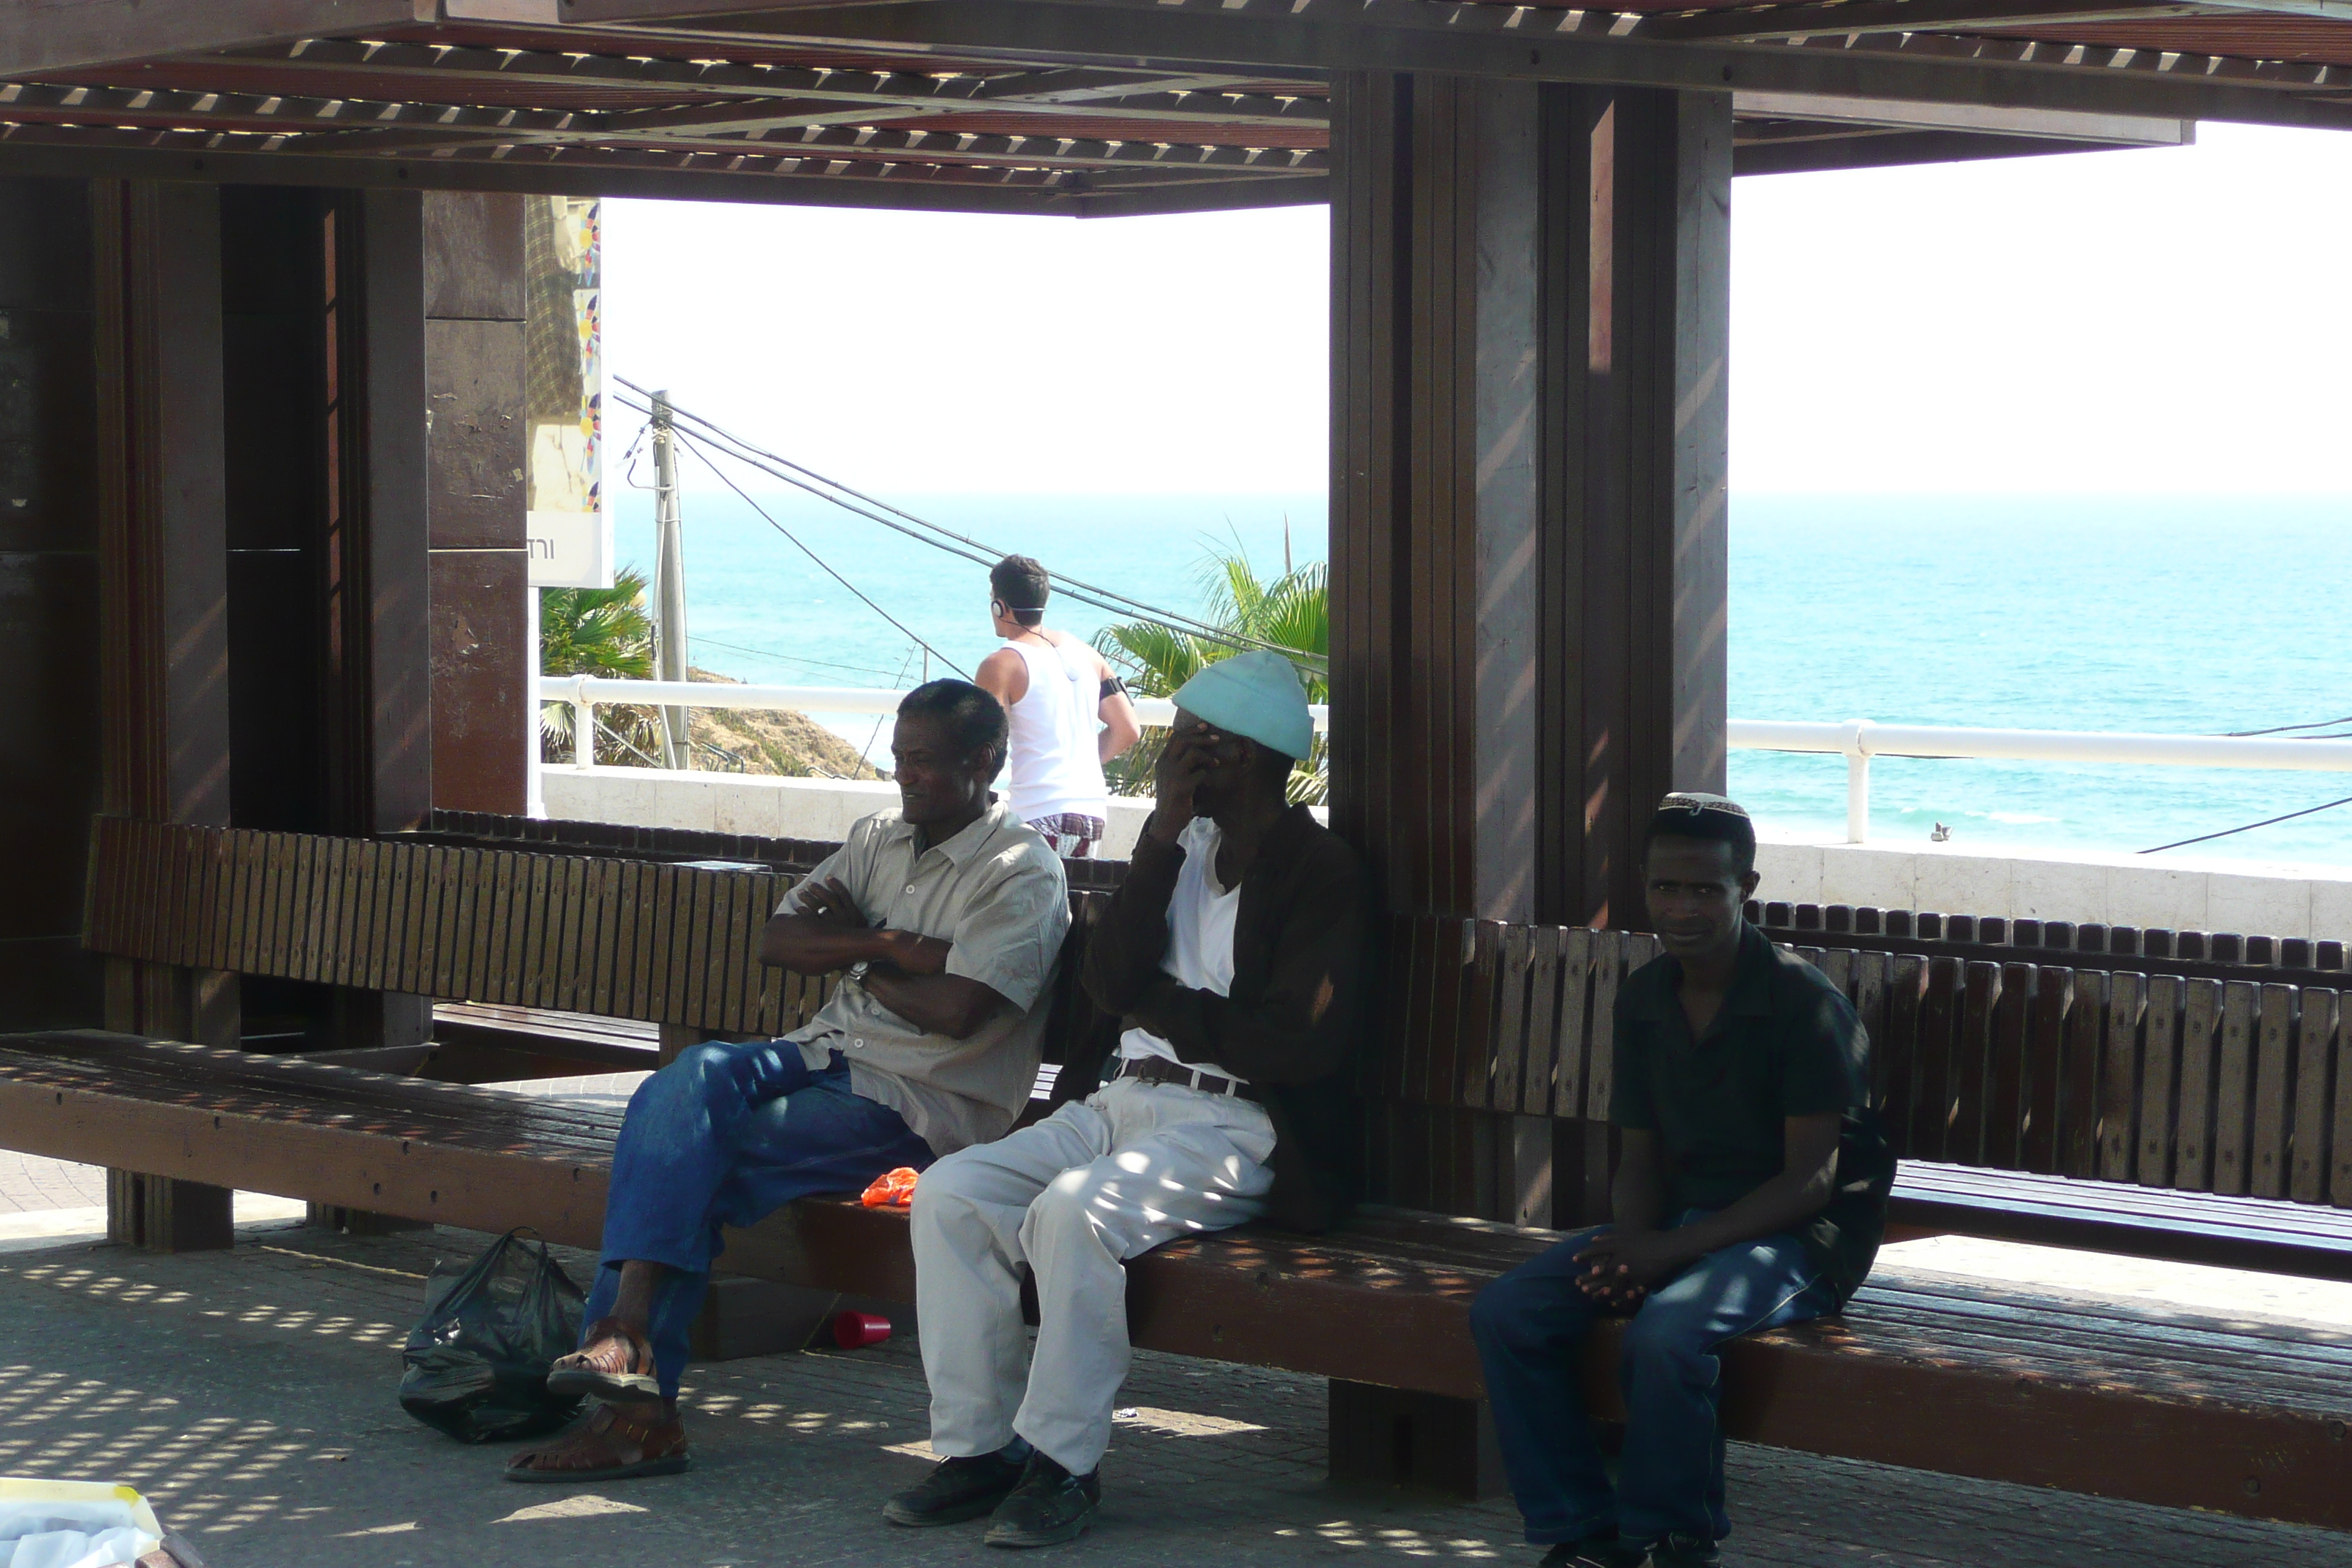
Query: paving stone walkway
[[250, 1394], [30, 1185]]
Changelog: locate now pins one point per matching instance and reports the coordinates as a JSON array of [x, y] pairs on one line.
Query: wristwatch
[[857, 970]]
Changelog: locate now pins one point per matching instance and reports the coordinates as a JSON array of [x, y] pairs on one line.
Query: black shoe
[[1593, 1552], [1050, 1506], [958, 1490], [1685, 1551]]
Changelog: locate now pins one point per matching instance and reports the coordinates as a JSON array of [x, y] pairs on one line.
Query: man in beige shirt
[[945, 919]]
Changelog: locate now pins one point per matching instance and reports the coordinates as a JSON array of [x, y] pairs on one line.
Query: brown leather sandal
[[615, 1362], [594, 1452]]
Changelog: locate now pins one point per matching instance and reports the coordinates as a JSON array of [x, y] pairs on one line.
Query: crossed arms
[[908, 972]]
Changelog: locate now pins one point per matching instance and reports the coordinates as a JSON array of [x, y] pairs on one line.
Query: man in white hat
[[1234, 949]]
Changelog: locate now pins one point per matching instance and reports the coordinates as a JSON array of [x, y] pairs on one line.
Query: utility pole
[[669, 585]]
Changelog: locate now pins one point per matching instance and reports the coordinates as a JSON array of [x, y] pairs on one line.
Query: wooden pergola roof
[[1077, 106]]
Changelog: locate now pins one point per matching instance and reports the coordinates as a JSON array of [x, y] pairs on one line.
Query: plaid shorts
[[1070, 835]]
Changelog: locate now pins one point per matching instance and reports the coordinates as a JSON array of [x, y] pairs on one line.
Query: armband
[[1113, 686]]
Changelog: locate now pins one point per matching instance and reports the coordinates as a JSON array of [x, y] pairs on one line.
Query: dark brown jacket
[[1291, 1023]]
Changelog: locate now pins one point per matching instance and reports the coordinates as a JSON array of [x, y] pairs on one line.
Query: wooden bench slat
[[2233, 1091], [193, 1076], [1609, 961], [1571, 1033], [2339, 1143], [2269, 1158], [1538, 1054], [1507, 1056], [1940, 1013], [2012, 1056], [2120, 1077], [2192, 1146], [2160, 1073], [2315, 1090], [312, 860]]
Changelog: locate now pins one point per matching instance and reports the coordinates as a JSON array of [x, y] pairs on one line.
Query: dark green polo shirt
[[1785, 1043]]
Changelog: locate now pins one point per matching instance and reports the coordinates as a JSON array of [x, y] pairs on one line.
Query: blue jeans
[[1531, 1325], [728, 1134]]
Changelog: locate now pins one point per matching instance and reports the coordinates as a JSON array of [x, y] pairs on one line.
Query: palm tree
[[607, 633], [1293, 612]]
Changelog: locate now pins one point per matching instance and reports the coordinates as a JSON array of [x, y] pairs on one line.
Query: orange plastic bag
[[892, 1189]]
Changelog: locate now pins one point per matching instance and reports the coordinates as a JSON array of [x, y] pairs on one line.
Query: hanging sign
[[571, 536], [570, 550]]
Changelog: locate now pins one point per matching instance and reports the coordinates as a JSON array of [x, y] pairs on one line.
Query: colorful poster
[[570, 534]]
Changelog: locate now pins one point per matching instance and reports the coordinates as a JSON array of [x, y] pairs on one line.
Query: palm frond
[[1293, 612]]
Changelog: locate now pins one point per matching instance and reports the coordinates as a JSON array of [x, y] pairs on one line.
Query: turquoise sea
[[2184, 615]]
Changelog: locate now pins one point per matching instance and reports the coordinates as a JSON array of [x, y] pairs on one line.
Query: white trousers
[[1099, 1181]]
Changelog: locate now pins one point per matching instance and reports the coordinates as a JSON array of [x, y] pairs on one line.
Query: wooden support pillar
[[377, 539], [1529, 318], [50, 745], [162, 607], [1529, 326], [474, 345], [1390, 1437]]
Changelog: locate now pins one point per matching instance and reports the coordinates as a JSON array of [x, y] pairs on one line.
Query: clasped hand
[[1619, 1267], [904, 950]]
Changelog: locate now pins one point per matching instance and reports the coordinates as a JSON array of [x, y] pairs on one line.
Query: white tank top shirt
[[1056, 763]]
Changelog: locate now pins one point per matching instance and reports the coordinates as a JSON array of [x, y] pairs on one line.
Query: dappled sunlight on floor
[[250, 1394]]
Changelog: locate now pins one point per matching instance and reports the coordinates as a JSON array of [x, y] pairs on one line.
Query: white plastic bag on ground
[[73, 1524]]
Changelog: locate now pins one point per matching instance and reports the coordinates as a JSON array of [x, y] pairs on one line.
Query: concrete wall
[[2170, 893], [2175, 892], [746, 802]]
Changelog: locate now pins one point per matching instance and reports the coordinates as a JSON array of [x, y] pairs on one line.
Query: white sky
[[2172, 319]]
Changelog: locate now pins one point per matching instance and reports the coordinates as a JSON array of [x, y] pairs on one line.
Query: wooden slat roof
[[1077, 106]]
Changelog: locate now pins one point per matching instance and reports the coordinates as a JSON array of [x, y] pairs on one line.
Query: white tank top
[[1056, 760]]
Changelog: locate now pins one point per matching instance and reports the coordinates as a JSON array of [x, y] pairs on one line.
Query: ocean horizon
[[2186, 614]]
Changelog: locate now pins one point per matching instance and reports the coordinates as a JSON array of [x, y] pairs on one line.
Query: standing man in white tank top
[[1070, 712]]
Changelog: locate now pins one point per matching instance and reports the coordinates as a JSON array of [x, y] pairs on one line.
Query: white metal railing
[[1856, 739], [586, 693], [1859, 740]]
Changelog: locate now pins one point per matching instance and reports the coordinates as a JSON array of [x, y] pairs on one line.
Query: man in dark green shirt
[[1751, 1192]]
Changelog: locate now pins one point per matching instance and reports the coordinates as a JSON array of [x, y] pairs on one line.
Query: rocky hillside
[[790, 744]]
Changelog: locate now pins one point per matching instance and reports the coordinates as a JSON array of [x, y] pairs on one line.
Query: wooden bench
[[2126, 1402], [1499, 1030], [2173, 1094]]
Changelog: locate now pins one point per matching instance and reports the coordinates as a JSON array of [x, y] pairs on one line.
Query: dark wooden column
[[1635, 575], [1529, 316], [474, 311], [162, 646], [376, 556], [48, 604], [1529, 312], [162, 552], [378, 583], [330, 600]]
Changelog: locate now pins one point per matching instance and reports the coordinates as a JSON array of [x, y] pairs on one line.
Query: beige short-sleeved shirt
[[996, 894]]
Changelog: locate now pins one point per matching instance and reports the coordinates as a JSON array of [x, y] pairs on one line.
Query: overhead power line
[[2249, 827], [809, 480], [702, 641], [2283, 728], [689, 443]]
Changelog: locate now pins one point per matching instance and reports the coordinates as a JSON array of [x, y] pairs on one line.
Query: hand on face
[[1197, 755]]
